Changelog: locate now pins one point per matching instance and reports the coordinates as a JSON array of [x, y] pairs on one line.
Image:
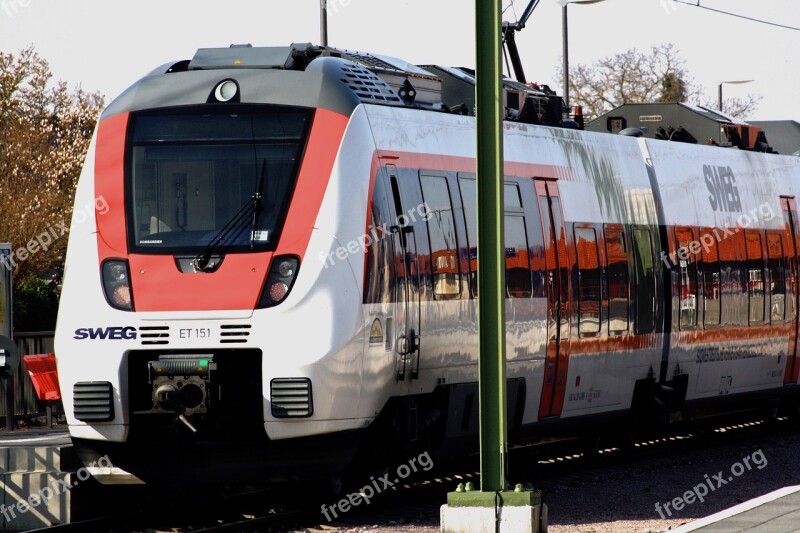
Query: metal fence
[[25, 404]]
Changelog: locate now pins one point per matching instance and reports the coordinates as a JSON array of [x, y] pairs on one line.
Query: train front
[[197, 268]]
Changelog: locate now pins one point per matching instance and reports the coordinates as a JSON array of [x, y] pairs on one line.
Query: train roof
[[336, 79]]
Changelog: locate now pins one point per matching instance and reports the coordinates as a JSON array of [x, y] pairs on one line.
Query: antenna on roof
[[323, 22]]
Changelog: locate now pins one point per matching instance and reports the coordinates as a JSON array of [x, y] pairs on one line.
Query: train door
[[558, 298], [789, 209], [406, 285]]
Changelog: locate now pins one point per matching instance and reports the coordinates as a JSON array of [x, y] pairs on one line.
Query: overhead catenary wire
[[696, 3], [511, 7]]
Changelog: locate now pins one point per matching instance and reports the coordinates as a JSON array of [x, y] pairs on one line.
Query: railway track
[[555, 466]]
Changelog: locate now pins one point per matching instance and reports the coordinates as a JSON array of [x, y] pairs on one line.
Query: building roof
[[711, 114], [783, 135]]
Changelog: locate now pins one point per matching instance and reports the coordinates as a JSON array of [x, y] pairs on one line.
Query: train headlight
[[117, 284], [286, 267], [226, 91], [279, 283]]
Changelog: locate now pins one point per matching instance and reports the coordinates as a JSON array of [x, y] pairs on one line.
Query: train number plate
[[195, 333]]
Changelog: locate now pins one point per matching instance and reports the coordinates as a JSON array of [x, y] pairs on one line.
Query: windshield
[[193, 173]]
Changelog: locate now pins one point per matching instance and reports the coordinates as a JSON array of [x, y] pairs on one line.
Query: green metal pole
[[491, 246]]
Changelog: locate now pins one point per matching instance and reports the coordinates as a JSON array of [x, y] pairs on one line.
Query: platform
[[776, 512], [39, 475], [35, 437]]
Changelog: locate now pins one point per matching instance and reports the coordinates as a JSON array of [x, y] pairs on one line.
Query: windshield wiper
[[228, 234], [257, 205]]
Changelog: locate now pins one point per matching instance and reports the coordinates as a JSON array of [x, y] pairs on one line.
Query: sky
[[106, 46]]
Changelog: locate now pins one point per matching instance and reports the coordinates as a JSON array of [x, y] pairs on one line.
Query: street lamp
[[563, 4], [737, 82]]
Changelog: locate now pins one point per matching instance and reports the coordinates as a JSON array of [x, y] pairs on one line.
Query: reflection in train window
[[777, 278], [755, 276], [588, 282], [379, 262], [511, 198], [686, 256], [712, 288], [645, 280], [442, 235], [518, 265], [618, 279], [469, 199], [733, 286]]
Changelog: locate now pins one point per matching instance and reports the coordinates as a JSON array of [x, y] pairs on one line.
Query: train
[[282, 280]]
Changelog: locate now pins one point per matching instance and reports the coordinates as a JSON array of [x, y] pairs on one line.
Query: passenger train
[[282, 280]]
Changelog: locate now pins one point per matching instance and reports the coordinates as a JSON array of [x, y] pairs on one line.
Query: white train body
[[375, 319]]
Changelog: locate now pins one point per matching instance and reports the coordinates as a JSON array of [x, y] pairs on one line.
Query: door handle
[[402, 345], [413, 341]]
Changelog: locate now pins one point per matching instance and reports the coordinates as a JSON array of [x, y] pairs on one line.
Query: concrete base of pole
[[523, 519], [488, 512]]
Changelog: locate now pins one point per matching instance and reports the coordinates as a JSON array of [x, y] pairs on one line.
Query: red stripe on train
[[455, 163], [109, 169]]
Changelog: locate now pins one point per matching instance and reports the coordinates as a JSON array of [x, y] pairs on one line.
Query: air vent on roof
[[367, 85]]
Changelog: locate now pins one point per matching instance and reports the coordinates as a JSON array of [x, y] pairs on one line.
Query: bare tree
[[740, 108], [45, 130], [659, 75]]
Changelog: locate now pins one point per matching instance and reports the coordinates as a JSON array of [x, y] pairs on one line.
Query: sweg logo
[[724, 194], [115, 333]]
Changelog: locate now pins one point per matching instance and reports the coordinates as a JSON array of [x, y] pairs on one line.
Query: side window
[[777, 277], [518, 261], [442, 235], [518, 265], [686, 255], [469, 200], [731, 259], [379, 265], [712, 289], [618, 280], [755, 276], [588, 282], [645, 280]]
